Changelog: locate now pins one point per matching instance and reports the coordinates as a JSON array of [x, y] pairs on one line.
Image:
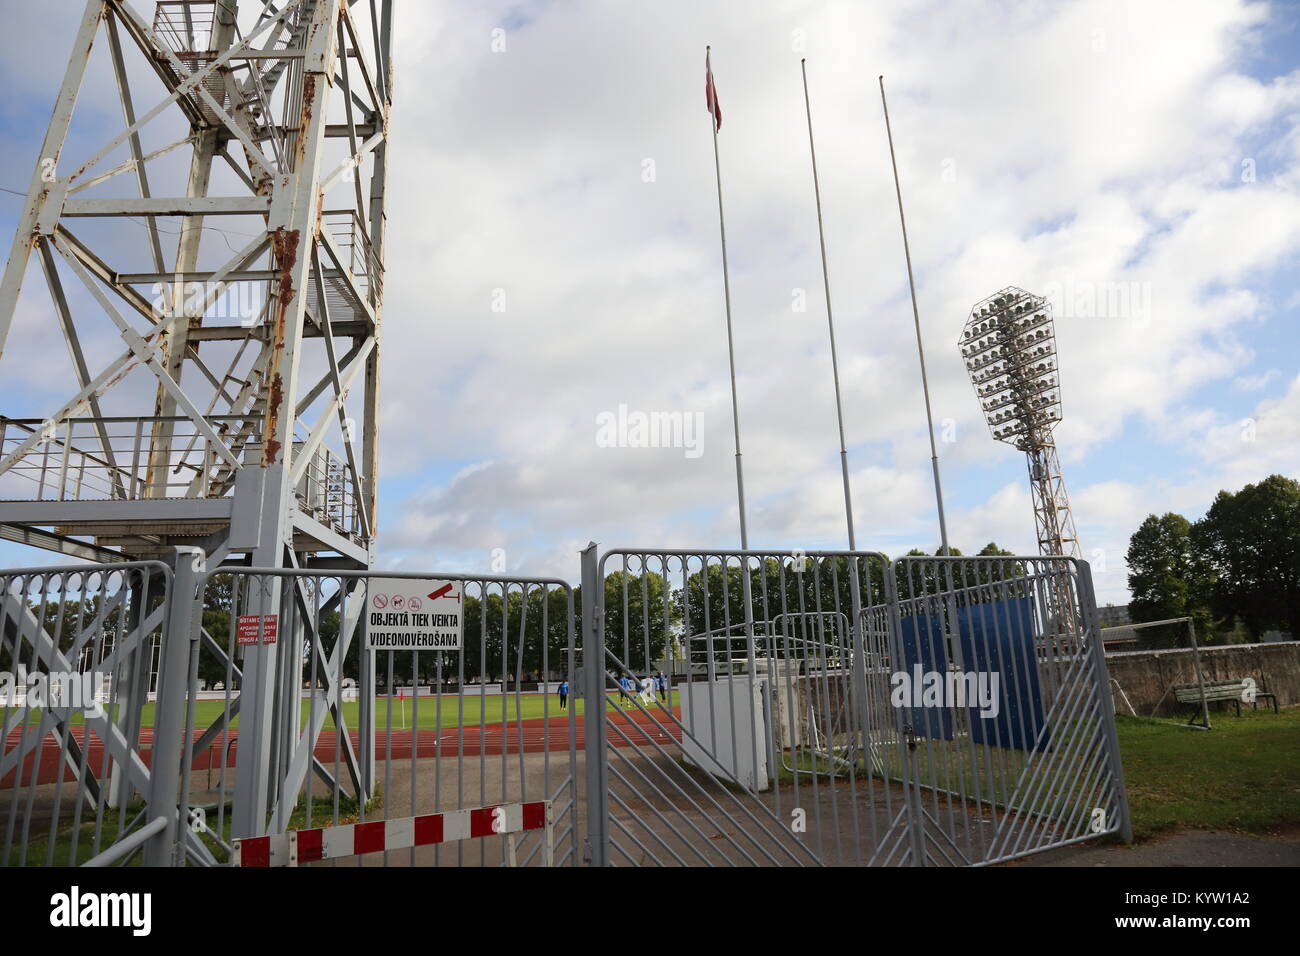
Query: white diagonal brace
[[328, 337], [138, 159], [78, 359], [362, 65], [302, 455], [354, 160], [306, 745], [147, 354], [46, 164], [138, 165]]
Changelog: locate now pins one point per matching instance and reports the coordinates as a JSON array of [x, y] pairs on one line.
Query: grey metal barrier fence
[[395, 736], [753, 752], [998, 670], [834, 708], [736, 708], [86, 664]]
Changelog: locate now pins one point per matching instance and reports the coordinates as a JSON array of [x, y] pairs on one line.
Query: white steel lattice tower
[[1009, 346], [215, 270]]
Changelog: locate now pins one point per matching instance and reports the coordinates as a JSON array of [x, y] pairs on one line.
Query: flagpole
[[916, 318], [830, 321], [726, 286]]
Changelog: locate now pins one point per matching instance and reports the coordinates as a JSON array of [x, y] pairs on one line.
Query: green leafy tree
[[782, 592], [1250, 545], [1163, 571], [917, 579], [640, 616], [992, 550]]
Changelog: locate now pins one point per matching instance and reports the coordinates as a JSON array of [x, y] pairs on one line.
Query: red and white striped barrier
[[331, 843]]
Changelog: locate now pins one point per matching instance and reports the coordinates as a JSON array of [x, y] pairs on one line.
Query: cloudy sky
[[554, 256]]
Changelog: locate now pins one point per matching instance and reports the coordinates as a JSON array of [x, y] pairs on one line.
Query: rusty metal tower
[[230, 239], [1009, 346]]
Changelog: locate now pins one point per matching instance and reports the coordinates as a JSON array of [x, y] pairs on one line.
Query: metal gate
[[830, 707], [380, 749]]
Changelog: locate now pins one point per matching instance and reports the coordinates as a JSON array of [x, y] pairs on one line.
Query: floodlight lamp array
[[1009, 346]]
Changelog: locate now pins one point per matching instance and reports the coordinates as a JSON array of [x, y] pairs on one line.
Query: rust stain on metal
[[272, 452], [284, 243], [308, 99], [126, 370]]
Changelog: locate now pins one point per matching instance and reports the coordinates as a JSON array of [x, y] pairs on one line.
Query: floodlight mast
[[1009, 346]]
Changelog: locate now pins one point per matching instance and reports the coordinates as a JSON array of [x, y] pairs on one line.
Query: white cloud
[[1089, 147]]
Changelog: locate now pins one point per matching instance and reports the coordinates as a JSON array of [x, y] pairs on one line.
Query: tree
[[1250, 544], [977, 582], [640, 614], [1162, 562]]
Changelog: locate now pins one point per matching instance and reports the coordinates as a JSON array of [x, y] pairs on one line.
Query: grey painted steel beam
[[153, 509], [36, 538], [170, 206], [46, 166]]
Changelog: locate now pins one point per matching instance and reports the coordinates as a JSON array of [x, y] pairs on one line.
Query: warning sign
[[257, 628], [406, 614]]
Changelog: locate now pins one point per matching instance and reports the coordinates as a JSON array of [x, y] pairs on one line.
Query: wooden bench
[[1231, 690]]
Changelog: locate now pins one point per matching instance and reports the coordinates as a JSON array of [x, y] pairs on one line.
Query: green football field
[[431, 713]]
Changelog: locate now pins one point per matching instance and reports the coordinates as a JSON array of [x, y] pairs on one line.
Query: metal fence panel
[[1011, 737], [834, 708], [82, 666], [754, 752], [360, 736]]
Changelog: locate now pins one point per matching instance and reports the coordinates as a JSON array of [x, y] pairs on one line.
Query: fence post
[[593, 675], [1105, 701], [915, 817], [366, 698], [169, 745], [861, 710], [1200, 674]]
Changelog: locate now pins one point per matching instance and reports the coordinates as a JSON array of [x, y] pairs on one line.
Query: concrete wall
[[1147, 675]]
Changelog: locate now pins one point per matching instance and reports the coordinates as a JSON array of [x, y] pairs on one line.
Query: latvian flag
[[711, 94]]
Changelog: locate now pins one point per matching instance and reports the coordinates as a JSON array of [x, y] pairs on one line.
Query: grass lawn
[[454, 713], [1243, 775]]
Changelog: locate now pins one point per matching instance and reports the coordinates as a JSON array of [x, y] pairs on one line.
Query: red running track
[[535, 735]]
